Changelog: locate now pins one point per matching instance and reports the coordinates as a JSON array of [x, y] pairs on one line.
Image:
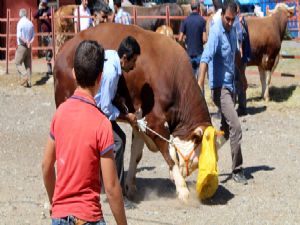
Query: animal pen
[[10, 34]]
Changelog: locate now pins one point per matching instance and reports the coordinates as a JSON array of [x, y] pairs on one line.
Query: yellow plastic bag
[[207, 181]]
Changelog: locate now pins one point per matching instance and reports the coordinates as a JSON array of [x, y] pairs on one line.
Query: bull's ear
[[198, 133]]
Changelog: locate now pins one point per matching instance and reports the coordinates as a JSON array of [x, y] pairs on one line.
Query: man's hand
[[132, 119]]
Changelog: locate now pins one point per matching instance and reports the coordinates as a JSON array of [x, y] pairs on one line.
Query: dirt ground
[[271, 150]]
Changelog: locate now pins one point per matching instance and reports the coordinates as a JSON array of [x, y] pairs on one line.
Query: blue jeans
[[70, 220], [195, 61]]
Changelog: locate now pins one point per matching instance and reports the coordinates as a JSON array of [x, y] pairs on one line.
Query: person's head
[[229, 11], [88, 63], [100, 17], [44, 3], [84, 3], [128, 52], [22, 13], [195, 5], [117, 4]]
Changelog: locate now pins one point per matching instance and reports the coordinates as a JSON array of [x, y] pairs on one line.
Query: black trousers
[[120, 142]]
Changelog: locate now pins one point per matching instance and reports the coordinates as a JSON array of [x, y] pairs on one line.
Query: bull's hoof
[[183, 195], [130, 191]]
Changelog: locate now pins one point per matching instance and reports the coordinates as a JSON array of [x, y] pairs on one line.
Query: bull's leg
[[268, 81], [137, 146], [262, 75], [180, 183]]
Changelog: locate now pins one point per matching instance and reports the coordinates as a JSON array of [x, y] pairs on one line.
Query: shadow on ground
[[154, 187], [248, 171], [277, 94], [281, 94], [43, 80]]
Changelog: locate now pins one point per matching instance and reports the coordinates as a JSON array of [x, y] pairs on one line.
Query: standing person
[[124, 59], [43, 17], [85, 23], [219, 58], [193, 27], [81, 143], [120, 16], [241, 86], [25, 37]]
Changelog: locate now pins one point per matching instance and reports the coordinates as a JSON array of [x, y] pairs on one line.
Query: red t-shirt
[[81, 134]]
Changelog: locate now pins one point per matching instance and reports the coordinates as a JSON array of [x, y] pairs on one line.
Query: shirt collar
[[85, 96]]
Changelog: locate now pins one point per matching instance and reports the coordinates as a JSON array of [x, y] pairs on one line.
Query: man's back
[[78, 151], [194, 27]]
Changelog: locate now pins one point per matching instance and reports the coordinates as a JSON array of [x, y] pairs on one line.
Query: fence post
[[78, 19], [167, 15], [53, 34], [134, 15], [7, 37], [30, 18]]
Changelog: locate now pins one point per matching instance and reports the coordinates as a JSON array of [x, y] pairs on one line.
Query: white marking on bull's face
[[185, 148]]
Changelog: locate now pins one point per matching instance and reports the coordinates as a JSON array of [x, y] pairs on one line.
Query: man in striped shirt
[[121, 16]]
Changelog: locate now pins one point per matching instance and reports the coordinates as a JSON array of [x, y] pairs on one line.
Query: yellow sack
[[207, 181]]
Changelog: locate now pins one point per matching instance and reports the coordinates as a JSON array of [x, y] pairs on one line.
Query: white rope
[[142, 124]]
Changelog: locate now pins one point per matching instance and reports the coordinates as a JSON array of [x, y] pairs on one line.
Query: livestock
[[161, 89], [165, 30], [157, 10], [266, 35], [66, 25]]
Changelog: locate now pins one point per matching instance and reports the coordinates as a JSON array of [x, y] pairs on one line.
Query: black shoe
[[129, 204], [239, 177]]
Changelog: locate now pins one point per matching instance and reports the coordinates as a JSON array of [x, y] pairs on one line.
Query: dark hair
[[230, 5], [194, 4], [217, 4], [130, 47], [88, 63], [118, 3]]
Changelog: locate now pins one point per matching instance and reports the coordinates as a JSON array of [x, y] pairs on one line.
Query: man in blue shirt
[[193, 27], [219, 58], [124, 59], [25, 37]]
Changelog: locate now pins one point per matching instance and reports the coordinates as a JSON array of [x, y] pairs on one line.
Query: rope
[[142, 124]]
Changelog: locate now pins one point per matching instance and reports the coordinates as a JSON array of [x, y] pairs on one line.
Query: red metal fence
[[8, 35]]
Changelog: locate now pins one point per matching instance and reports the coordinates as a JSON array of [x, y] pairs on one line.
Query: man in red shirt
[[81, 144]]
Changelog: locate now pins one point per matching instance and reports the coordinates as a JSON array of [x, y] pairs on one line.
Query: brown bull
[[161, 88], [266, 35], [64, 25]]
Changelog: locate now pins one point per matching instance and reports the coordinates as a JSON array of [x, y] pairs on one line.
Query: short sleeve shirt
[[82, 134], [194, 27], [85, 23]]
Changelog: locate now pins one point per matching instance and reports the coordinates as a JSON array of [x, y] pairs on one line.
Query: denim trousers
[[195, 61], [70, 220]]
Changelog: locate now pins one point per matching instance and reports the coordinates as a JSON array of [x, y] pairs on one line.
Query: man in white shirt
[[25, 37], [85, 23]]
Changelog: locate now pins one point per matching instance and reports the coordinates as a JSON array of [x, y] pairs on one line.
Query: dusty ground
[[271, 149]]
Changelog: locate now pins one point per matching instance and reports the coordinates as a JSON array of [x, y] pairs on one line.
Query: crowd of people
[[26, 33]]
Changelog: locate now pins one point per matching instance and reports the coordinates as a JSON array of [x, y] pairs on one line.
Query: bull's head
[[185, 153], [289, 10]]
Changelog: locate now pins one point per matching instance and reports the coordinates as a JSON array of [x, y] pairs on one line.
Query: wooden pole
[[7, 37], [167, 15], [53, 34]]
